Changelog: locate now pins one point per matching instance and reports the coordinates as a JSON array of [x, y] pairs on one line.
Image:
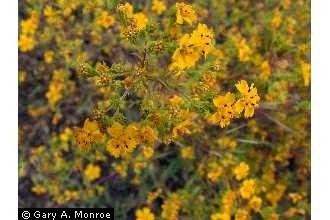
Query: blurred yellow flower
[[158, 6], [248, 188], [140, 20], [306, 72], [171, 207], [214, 172], [187, 153], [49, 56], [220, 216], [185, 13], [30, 25], [242, 214], [182, 129], [244, 51], [241, 171], [38, 189], [92, 172], [255, 203], [228, 200], [147, 135], [148, 152], [105, 20], [26, 43], [265, 70], [144, 214], [127, 9]]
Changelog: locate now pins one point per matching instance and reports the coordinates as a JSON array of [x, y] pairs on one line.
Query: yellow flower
[[215, 171], [175, 100], [71, 195], [148, 152], [255, 203], [92, 172], [185, 13], [228, 201], [276, 194], [171, 207], [56, 87], [88, 135], [26, 43], [144, 214], [306, 72], [30, 25], [38, 189], [227, 142], [158, 6], [48, 11], [249, 101], [127, 9], [265, 70], [187, 153], [140, 21], [22, 75], [66, 135], [242, 214], [295, 197], [204, 38], [105, 20], [147, 135], [220, 216], [247, 189], [244, 51], [153, 195], [48, 56], [186, 55], [225, 110], [121, 169], [123, 141], [241, 171], [181, 129], [276, 21]]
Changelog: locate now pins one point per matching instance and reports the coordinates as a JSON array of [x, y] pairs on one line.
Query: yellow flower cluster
[[144, 214], [92, 172], [244, 50], [228, 107], [27, 40], [88, 135], [57, 87], [158, 6], [115, 67], [241, 171], [248, 188], [105, 20], [171, 207], [135, 21], [185, 13], [125, 139], [192, 47]]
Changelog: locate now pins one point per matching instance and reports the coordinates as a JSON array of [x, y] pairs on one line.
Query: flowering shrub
[[164, 109]]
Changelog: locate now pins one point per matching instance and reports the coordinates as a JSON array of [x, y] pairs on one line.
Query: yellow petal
[[242, 87], [116, 130], [249, 112]]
